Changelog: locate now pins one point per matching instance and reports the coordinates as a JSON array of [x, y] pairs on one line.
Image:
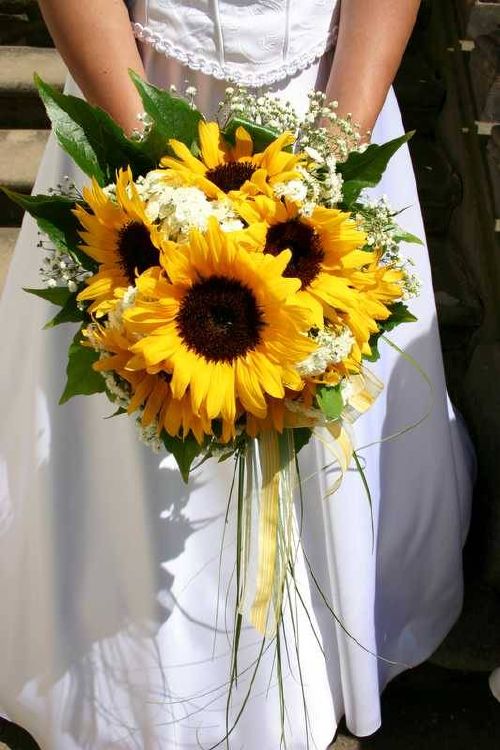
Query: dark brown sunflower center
[[232, 175], [136, 250], [302, 240], [219, 319]]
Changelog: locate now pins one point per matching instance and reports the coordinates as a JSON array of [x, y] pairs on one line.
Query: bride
[[113, 589]]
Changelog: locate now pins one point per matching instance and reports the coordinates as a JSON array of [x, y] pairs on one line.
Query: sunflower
[[327, 258], [223, 169], [119, 236], [150, 393], [226, 323]]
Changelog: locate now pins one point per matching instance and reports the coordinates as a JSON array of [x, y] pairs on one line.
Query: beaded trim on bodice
[[249, 43]]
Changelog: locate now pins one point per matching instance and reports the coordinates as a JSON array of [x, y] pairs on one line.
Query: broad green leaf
[[184, 450], [54, 216], [363, 170], [399, 314], [172, 117], [301, 437], [82, 379], [59, 295], [330, 401], [69, 313], [403, 236], [90, 136], [261, 136]]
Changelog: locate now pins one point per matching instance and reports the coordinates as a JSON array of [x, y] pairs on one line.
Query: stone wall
[[449, 90]]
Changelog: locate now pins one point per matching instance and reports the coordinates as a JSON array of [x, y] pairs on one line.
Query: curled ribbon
[[276, 458]]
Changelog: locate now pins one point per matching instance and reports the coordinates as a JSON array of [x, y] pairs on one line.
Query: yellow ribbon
[[269, 454], [278, 482]]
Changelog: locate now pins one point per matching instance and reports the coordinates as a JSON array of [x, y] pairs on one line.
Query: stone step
[[20, 105], [8, 237], [21, 23], [20, 154]]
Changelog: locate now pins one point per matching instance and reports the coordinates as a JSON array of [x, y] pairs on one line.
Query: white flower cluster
[[118, 388], [266, 109], [325, 131], [177, 210], [333, 347], [323, 170], [61, 269], [377, 220], [294, 190], [319, 184], [149, 435]]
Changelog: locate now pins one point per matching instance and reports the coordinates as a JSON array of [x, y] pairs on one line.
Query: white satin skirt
[[116, 601]]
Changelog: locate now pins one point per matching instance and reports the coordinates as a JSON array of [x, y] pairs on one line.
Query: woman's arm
[[96, 41], [373, 35]]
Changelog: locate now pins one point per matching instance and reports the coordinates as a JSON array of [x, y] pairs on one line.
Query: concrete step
[[21, 23], [20, 154], [20, 105], [8, 238]]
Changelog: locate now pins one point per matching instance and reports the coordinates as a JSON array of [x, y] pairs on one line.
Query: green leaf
[[55, 218], [261, 136], [69, 313], [399, 314], [82, 379], [330, 401], [90, 136], [301, 437], [117, 413], [172, 117], [184, 450], [363, 170], [403, 236], [59, 295]]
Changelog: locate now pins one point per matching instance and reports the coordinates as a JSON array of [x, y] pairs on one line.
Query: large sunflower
[[150, 393], [224, 169], [327, 258], [227, 324], [118, 235]]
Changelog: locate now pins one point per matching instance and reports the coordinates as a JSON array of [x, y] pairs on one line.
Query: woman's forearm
[[95, 39], [373, 35]]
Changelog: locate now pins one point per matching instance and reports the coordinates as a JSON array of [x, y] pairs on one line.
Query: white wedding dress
[[113, 621]]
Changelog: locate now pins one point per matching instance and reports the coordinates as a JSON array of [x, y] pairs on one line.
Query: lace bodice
[[251, 43]]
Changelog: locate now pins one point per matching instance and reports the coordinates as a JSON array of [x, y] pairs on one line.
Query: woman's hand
[[373, 35], [96, 41]]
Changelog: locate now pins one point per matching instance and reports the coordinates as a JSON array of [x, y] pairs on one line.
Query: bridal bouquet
[[230, 282]]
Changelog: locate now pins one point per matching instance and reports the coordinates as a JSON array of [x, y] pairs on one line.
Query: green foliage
[[184, 450], [82, 379], [261, 136], [330, 401], [399, 314], [63, 298], [55, 218], [91, 137], [301, 437], [403, 236], [363, 170], [69, 313], [59, 295], [172, 118]]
